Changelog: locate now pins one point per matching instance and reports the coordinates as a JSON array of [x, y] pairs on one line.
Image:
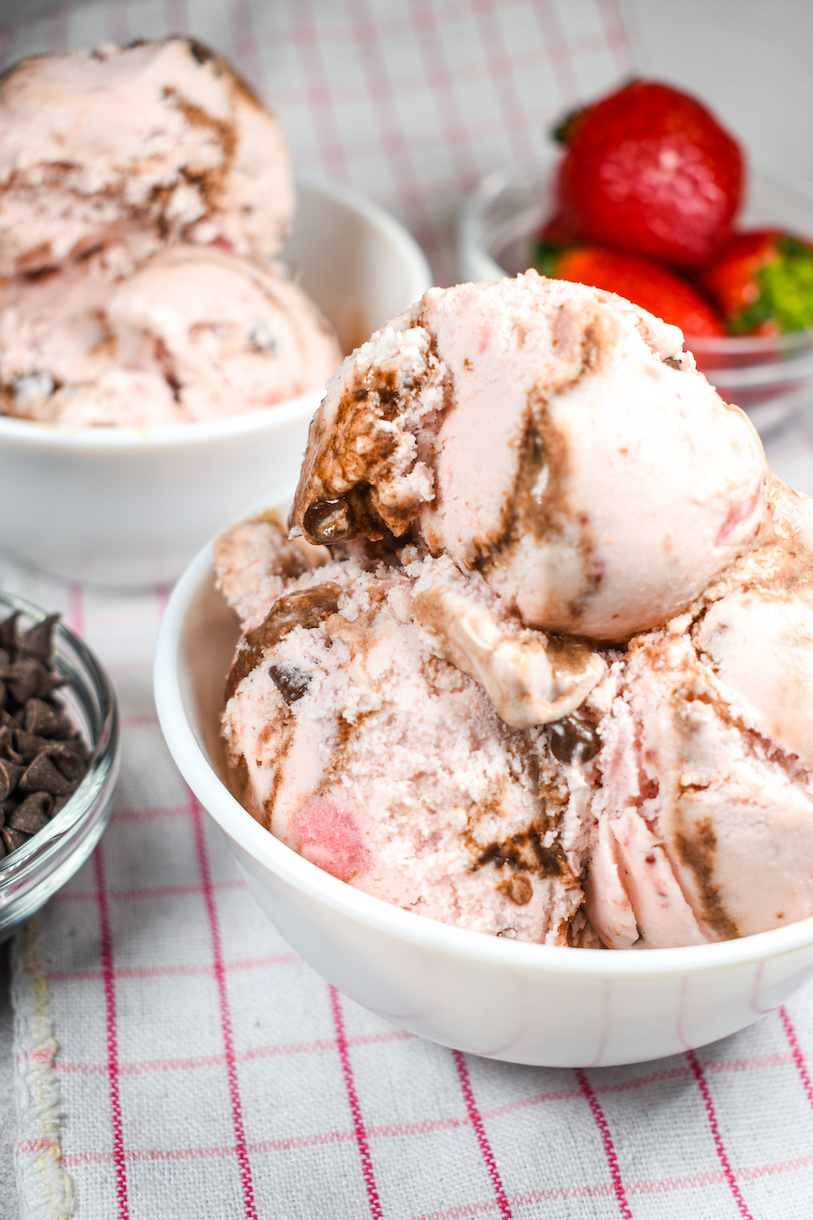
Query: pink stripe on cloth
[[112, 1034], [705, 1093], [225, 1014], [796, 1051], [476, 1119], [609, 1147], [355, 1106]]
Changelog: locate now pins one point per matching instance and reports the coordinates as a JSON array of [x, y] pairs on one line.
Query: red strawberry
[[654, 288], [763, 282], [649, 170]]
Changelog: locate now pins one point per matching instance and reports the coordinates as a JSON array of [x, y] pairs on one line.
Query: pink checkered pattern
[[176, 1059]]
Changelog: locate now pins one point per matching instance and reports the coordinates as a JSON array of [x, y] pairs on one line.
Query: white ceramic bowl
[[519, 1002], [130, 507]]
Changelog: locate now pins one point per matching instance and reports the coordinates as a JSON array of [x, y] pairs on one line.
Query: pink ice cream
[[555, 681], [390, 769], [129, 148], [194, 334], [144, 192], [522, 429]]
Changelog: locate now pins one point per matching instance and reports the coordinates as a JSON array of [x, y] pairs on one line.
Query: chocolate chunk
[[328, 521], [44, 720], [32, 814], [43, 776], [200, 53], [10, 774], [573, 739], [305, 608], [291, 683], [13, 838], [517, 890]]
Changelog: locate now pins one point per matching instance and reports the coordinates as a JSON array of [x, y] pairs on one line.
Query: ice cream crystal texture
[[145, 194], [536, 657]]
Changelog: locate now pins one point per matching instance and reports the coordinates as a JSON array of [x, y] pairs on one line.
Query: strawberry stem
[[785, 298]]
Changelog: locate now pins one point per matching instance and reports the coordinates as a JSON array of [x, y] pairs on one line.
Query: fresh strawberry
[[648, 169], [763, 282], [641, 281]]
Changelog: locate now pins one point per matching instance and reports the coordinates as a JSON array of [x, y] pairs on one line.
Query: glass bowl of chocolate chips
[[59, 757]]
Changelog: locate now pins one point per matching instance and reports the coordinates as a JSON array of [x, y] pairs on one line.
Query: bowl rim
[[418, 930], [246, 423], [543, 163], [67, 840]]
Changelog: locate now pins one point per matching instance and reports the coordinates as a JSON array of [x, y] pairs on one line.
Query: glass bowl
[[766, 375], [34, 872]]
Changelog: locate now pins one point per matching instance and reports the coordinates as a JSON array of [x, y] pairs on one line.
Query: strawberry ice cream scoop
[[553, 438], [388, 767], [391, 722], [128, 148], [194, 334]]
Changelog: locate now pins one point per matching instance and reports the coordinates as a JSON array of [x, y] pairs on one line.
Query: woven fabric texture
[[175, 1058]]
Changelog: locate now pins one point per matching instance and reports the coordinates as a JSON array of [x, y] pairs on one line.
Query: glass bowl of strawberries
[[651, 198]]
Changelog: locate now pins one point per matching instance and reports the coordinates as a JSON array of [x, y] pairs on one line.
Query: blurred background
[[461, 87]]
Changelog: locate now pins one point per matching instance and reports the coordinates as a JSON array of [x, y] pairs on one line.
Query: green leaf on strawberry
[[763, 283]]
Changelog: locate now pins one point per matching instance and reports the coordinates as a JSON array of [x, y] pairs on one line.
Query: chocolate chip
[[8, 634], [43, 776], [32, 814], [68, 758], [573, 739], [25, 679], [7, 745], [261, 339], [290, 682], [305, 608], [28, 745], [38, 641], [10, 774], [13, 838], [44, 720]]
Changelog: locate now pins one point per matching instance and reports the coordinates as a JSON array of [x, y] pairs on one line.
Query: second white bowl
[[130, 507]]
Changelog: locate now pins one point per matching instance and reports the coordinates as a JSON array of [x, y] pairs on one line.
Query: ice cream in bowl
[[171, 304], [506, 715]]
